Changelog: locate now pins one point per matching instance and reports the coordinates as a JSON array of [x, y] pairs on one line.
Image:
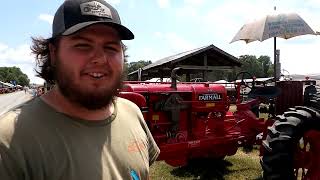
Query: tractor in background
[[191, 120]]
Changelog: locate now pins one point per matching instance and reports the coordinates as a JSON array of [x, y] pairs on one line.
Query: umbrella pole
[[275, 56], [275, 60]]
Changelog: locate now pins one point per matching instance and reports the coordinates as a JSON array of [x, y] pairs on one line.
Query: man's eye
[[110, 48], [83, 46]]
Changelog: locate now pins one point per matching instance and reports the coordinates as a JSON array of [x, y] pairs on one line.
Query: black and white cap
[[74, 15]]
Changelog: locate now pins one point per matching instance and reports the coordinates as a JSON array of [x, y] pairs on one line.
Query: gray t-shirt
[[39, 143]]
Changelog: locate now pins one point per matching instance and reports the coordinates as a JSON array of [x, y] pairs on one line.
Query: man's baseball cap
[[74, 15]]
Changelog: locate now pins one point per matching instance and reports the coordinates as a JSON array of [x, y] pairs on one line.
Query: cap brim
[[125, 33]]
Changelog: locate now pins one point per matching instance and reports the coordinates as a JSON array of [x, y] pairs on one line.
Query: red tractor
[[192, 120]]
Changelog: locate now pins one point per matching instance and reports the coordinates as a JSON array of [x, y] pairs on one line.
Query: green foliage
[[259, 67], [239, 166], [133, 66], [8, 74], [266, 65]]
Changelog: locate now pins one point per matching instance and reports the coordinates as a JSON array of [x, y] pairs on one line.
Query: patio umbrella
[[284, 25]]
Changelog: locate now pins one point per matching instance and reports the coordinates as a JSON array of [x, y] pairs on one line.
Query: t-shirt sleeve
[[9, 168], [153, 148]]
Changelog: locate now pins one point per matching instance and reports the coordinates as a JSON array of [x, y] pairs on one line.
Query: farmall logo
[[95, 8], [209, 97]]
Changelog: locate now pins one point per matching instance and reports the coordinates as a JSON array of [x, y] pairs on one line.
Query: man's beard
[[80, 95]]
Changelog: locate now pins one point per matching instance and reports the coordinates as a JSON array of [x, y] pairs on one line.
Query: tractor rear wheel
[[291, 146]]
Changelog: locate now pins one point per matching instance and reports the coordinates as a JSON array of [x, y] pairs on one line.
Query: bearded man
[[79, 130]]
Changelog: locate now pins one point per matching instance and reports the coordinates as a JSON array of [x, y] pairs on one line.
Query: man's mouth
[[96, 75]]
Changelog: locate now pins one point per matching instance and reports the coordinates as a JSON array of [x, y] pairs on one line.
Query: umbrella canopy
[[278, 25]]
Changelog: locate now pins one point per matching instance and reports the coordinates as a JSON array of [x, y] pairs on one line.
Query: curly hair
[[44, 67], [40, 48]]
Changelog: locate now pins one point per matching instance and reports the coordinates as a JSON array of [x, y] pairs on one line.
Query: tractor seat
[[265, 92]]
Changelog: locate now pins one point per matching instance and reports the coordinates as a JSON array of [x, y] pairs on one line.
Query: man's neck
[[56, 100]]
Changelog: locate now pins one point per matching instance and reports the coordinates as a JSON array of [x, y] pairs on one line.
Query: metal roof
[[215, 57]]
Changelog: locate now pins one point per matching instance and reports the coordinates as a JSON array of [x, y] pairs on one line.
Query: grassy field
[[240, 166]]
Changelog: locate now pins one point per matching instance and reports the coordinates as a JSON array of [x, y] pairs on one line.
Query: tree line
[[257, 66], [133, 66], [10, 74]]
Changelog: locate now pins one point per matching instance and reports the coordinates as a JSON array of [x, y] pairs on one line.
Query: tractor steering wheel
[[248, 76], [244, 75]]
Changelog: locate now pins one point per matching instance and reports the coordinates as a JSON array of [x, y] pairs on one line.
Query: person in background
[[80, 129], [39, 91]]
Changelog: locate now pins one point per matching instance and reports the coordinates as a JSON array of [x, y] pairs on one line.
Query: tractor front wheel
[[291, 147]]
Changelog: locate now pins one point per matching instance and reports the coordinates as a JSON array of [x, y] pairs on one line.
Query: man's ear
[[52, 53]]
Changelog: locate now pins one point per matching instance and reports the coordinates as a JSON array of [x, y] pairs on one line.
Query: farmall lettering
[[210, 97]]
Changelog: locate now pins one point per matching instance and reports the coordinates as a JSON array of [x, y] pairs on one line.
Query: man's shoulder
[[127, 108], [10, 115], [22, 107], [125, 102], [7, 125], [9, 120]]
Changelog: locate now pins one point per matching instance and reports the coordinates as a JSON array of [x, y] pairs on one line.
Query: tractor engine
[[187, 121]]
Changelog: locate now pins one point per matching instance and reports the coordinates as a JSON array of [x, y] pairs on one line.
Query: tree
[[259, 67], [133, 66], [23, 80], [266, 65], [8, 74]]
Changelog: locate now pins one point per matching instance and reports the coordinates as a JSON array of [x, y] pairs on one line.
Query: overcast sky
[[166, 27]]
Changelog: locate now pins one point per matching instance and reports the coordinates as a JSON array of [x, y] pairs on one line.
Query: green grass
[[239, 166]]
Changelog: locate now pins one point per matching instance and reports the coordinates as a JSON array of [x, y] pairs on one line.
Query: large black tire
[[283, 136]]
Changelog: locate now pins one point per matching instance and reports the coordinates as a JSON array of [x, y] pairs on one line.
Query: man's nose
[[100, 56]]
